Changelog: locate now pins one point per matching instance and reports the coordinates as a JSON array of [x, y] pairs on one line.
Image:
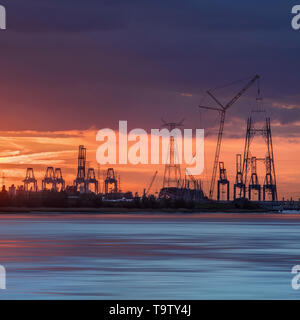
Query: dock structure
[[30, 182], [79, 182], [111, 182], [59, 181], [91, 181], [239, 188], [223, 183], [49, 179], [254, 185]]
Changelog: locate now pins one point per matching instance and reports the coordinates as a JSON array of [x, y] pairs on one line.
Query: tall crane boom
[[151, 183], [222, 110]]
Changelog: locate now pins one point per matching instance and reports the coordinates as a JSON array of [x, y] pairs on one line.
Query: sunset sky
[[70, 68]]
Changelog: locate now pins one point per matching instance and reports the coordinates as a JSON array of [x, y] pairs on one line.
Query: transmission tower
[[270, 186], [172, 173]]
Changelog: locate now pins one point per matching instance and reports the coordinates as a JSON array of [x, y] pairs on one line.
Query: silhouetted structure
[[172, 174], [111, 180], [91, 180], [49, 179], [30, 183], [254, 183], [270, 186], [223, 181], [151, 183], [59, 181], [12, 190], [222, 111], [79, 182], [239, 189]]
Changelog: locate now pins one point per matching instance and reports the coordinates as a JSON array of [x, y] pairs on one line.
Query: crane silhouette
[[222, 110]]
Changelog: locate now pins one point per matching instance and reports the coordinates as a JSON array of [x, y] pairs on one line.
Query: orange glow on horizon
[[22, 149]]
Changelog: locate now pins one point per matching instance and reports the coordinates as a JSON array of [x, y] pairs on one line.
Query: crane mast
[[222, 110], [151, 183]]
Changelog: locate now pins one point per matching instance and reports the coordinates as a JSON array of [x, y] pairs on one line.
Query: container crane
[[222, 110]]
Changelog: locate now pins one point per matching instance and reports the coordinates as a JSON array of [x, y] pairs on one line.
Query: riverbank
[[115, 210]]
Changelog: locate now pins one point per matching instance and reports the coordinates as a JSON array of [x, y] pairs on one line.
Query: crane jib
[[221, 128]]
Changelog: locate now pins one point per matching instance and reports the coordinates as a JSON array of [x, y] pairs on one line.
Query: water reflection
[[53, 256]]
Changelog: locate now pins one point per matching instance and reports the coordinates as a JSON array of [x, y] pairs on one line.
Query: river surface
[[147, 256]]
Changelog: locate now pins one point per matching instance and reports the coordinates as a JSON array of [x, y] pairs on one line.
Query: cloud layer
[[76, 64]]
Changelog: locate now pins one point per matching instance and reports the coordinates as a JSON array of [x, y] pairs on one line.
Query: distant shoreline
[[110, 210]]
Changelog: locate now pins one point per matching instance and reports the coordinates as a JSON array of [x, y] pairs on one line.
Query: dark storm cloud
[[204, 15], [66, 15], [77, 63]]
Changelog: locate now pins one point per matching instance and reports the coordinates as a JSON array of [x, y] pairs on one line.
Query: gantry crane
[[222, 110]]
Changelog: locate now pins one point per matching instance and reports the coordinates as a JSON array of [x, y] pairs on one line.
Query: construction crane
[[196, 183], [151, 183], [222, 110]]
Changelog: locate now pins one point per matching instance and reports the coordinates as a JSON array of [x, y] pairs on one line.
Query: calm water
[[51, 256]]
